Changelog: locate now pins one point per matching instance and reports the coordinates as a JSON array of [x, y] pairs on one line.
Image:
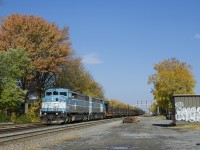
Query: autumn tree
[[153, 108], [171, 77], [117, 103], [75, 77], [94, 89], [47, 45]]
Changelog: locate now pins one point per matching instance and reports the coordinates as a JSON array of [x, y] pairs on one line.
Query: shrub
[[32, 116], [23, 119], [4, 118], [34, 112], [13, 118]]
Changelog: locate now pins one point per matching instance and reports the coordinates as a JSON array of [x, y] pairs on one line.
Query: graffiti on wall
[[191, 114]]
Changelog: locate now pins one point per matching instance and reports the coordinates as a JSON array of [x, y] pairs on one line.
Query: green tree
[[13, 65], [72, 75], [47, 45], [171, 77], [11, 96]]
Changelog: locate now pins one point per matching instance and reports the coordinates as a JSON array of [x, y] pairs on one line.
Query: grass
[[189, 126], [161, 117]]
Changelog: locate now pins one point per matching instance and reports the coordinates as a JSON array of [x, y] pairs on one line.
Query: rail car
[[63, 105], [113, 111]]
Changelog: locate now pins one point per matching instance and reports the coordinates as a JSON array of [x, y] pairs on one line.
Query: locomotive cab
[[54, 106]]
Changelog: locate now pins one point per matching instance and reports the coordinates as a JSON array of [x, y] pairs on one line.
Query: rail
[[9, 137]]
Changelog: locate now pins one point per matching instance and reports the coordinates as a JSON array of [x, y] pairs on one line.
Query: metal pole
[[158, 110]]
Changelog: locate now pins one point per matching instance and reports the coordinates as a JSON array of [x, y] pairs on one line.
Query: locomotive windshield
[[55, 93], [48, 93], [63, 93]]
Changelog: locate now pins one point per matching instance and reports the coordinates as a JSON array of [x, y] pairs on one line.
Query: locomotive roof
[[58, 89], [62, 89]]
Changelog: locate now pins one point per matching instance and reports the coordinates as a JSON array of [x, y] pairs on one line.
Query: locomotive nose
[[55, 98]]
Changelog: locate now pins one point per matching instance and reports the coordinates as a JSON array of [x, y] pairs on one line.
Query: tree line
[[35, 55]]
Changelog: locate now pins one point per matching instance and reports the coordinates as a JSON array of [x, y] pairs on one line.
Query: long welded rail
[[17, 128], [38, 132]]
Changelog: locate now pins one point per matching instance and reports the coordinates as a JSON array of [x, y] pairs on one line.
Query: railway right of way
[[31, 133]]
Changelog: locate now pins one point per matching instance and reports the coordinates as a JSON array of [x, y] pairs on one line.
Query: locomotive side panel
[[97, 108], [78, 103]]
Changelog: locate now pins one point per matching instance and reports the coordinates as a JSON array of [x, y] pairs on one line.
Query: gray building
[[185, 107]]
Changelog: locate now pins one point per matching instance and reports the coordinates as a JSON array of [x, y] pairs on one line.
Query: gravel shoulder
[[117, 136]]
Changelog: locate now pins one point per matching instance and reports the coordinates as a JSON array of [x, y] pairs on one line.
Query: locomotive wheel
[[88, 117], [85, 118], [70, 119], [67, 119]]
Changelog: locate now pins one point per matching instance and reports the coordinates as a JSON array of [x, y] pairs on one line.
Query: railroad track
[[16, 128], [10, 137]]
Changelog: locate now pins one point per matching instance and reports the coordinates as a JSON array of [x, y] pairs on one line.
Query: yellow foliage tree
[[153, 108], [171, 77], [117, 103]]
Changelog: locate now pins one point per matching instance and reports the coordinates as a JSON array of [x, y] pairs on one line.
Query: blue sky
[[121, 40]]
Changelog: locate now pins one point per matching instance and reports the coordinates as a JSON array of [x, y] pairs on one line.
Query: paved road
[[141, 136]]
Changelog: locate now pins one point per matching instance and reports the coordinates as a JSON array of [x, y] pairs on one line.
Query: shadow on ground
[[165, 125]]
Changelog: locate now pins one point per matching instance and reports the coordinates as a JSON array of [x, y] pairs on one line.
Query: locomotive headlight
[[56, 113], [52, 98], [45, 113]]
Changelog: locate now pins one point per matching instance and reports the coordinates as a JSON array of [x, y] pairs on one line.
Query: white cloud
[[197, 36], [91, 59]]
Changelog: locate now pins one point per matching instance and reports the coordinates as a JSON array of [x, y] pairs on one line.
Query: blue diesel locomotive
[[63, 105]]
